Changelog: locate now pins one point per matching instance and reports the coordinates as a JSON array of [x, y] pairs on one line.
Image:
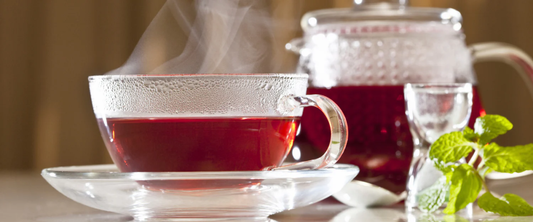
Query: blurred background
[[48, 48]]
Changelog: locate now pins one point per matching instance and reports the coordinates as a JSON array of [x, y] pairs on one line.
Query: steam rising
[[208, 36]]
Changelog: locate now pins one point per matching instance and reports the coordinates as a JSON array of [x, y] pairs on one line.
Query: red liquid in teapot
[[198, 144], [379, 140]]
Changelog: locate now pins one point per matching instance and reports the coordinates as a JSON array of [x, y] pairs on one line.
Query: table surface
[[26, 196]]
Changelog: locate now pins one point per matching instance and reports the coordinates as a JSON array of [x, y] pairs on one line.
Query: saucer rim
[[110, 171]]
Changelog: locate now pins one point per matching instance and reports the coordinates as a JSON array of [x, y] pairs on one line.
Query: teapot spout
[[296, 46]]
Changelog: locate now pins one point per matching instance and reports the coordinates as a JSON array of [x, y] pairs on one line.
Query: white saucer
[[198, 195]]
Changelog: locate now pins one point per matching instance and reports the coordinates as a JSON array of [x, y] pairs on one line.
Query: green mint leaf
[[430, 199], [508, 205], [449, 176], [450, 147], [491, 126], [470, 135], [464, 189], [512, 159]]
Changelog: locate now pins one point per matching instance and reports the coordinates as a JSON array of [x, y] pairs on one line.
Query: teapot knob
[[401, 3]]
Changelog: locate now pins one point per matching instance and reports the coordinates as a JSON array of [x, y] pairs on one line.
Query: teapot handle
[[506, 53]]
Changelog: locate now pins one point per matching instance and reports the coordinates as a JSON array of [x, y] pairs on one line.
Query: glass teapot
[[362, 56]]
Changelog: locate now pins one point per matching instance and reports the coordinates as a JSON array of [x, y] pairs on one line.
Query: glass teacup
[[208, 122]]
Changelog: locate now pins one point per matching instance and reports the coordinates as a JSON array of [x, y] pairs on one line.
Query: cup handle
[[337, 124]]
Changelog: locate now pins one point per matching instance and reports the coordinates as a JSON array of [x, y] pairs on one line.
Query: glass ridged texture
[[198, 95], [384, 44], [337, 59]]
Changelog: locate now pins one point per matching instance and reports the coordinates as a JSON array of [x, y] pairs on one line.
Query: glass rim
[[109, 171], [437, 85], [195, 75], [446, 87]]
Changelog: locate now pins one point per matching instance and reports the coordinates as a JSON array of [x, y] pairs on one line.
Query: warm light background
[[49, 47]]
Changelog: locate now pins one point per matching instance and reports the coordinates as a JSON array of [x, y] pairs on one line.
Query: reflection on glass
[[370, 214]]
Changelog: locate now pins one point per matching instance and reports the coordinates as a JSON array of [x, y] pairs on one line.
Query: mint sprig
[[465, 181]]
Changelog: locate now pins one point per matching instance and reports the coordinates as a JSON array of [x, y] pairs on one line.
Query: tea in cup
[[208, 122]]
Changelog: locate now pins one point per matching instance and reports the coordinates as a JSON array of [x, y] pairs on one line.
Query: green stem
[[482, 181], [474, 157], [481, 165]]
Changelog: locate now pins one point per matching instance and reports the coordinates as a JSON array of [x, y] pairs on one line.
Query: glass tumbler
[[432, 110]]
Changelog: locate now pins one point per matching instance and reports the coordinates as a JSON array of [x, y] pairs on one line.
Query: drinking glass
[[432, 110]]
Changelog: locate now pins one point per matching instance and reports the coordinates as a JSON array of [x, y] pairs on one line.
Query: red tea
[[198, 144], [379, 141]]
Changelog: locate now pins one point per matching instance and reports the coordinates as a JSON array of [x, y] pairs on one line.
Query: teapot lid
[[381, 14]]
